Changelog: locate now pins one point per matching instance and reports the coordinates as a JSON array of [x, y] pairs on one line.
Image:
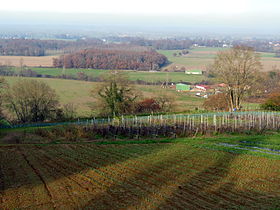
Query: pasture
[[200, 58], [132, 75], [191, 173], [30, 61], [79, 93]]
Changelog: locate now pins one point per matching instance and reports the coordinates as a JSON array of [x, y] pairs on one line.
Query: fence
[[180, 124], [187, 125]]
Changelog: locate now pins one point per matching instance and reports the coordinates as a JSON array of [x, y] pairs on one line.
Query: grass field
[[199, 58], [30, 61], [133, 75], [186, 174], [78, 93]]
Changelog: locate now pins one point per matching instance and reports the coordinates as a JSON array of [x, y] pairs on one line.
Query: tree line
[[186, 43], [110, 58], [35, 47], [32, 47]]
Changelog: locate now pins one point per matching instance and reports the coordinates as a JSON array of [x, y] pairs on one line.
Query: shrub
[[31, 101], [218, 102], [148, 105], [66, 112], [272, 103]]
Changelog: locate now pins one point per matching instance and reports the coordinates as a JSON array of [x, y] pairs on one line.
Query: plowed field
[[136, 176]]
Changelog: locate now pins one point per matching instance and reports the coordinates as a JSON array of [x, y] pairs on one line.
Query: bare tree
[[31, 101], [166, 101], [238, 69]]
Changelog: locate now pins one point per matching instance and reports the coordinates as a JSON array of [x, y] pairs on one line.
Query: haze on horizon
[[247, 15]]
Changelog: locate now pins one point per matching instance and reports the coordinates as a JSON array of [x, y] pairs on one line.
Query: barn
[[194, 71]]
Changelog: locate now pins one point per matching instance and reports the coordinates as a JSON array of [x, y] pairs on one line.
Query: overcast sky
[[217, 7], [234, 13]]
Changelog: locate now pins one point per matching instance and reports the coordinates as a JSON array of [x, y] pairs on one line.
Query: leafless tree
[[238, 69], [31, 101]]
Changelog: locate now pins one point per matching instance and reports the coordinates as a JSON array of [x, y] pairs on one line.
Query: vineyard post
[[260, 122], [267, 120], [184, 126], [215, 122], [193, 122], [273, 122], [206, 122], [226, 120], [201, 122], [250, 121]]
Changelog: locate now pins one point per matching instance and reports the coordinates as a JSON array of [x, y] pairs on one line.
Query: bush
[[31, 101], [4, 122], [66, 112], [218, 102], [68, 133], [147, 105], [272, 103]]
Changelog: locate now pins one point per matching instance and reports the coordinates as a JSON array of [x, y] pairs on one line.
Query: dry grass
[[270, 63], [30, 61]]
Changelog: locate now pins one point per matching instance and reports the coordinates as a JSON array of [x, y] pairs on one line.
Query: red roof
[[204, 86], [222, 85]]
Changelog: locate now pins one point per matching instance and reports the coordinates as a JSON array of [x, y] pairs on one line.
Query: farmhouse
[[182, 87], [193, 71], [222, 85], [201, 88]]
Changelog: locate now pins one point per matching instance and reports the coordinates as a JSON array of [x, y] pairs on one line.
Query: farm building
[[194, 71], [201, 88], [222, 85], [182, 87]]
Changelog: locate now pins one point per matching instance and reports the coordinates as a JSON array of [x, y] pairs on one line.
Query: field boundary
[[149, 119]]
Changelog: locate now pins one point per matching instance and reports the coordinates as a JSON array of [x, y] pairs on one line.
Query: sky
[[170, 7], [219, 13]]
